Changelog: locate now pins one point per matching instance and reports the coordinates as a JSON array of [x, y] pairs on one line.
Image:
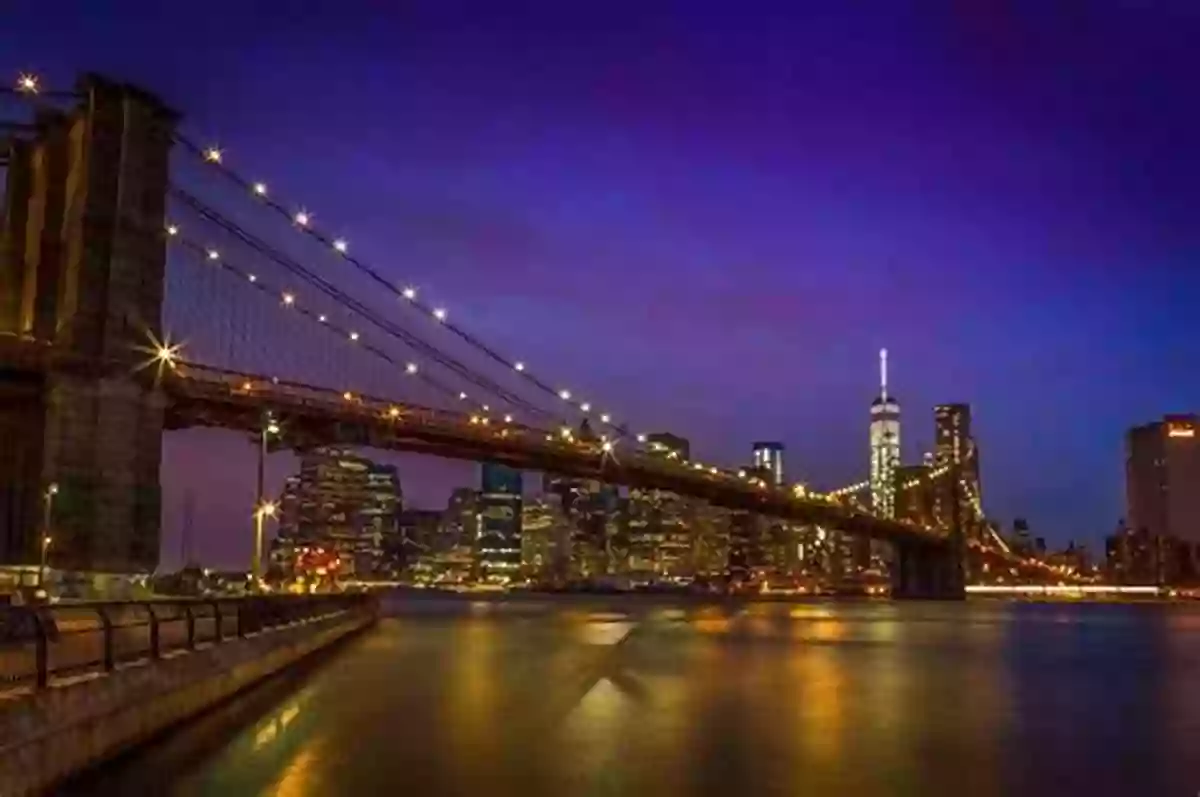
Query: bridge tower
[[934, 569], [81, 281]]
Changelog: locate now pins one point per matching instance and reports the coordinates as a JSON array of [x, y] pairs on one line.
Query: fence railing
[[44, 642]]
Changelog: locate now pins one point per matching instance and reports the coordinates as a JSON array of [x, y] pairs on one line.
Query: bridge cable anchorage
[[301, 219], [354, 305], [210, 256]]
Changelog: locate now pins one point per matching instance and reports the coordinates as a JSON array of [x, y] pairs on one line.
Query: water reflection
[[850, 699]]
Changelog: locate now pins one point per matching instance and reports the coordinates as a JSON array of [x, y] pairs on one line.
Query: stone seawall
[[49, 735]]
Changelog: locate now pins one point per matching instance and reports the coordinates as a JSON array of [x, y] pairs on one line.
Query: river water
[[644, 697]]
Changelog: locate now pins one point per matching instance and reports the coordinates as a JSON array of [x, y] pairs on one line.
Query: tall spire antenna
[[883, 374]]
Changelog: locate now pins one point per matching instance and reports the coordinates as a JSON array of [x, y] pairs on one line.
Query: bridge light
[[27, 83], [586, 407], [340, 245], [172, 229], [302, 218], [289, 299], [411, 368], [252, 278], [605, 418], [166, 355], [353, 336], [213, 254], [439, 313], [260, 189], [519, 366], [322, 318], [213, 155], [565, 395], [409, 293], [508, 419]]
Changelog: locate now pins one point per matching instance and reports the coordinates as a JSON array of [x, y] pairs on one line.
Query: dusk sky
[[710, 216]]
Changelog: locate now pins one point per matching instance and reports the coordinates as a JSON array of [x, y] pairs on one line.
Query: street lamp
[[47, 519], [269, 427], [264, 510]]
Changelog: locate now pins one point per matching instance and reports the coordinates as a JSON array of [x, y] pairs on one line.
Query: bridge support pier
[[927, 571], [82, 263]]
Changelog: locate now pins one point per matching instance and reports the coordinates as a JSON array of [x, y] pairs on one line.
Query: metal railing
[[55, 641]]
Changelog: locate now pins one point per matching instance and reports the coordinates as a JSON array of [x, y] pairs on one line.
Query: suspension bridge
[[148, 285]]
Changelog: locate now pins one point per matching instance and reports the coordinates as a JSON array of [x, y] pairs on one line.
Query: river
[[649, 697]]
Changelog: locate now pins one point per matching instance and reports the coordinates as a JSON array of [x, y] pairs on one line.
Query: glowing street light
[[409, 293], [47, 520], [213, 155], [440, 313], [340, 245], [260, 189], [27, 83]]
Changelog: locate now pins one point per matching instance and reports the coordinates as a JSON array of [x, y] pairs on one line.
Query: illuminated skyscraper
[[769, 457], [499, 505], [954, 446], [885, 445], [1162, 469]]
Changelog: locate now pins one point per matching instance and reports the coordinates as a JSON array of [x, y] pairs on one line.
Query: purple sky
[[711, 216]]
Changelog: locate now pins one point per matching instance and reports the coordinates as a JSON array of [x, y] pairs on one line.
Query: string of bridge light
[[354, 305], [288, 299], [29, 86], [302, 219]]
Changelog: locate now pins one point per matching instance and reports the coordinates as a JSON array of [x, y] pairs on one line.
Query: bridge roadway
[[317, 416], [203, 396]]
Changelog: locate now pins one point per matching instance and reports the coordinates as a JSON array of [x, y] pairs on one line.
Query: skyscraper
[[499, 545], [342, 502], [1162, 471], [954, 446], [768, 456], [885, 445]]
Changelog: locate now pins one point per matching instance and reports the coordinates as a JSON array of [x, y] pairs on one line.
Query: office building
[[885, 445], [341, 503], [956, 450], [498, 548], [768, 457], [1162, 478]]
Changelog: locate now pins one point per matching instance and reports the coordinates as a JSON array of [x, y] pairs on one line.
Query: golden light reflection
[[299, 777]]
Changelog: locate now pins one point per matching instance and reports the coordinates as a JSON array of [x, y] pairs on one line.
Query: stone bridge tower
[[81, 282]]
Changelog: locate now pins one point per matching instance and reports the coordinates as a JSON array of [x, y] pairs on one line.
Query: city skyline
[[501, 268]]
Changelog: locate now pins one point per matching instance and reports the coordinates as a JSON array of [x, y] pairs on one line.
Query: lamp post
[[262, 508], [47, 519], [263, 511]]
